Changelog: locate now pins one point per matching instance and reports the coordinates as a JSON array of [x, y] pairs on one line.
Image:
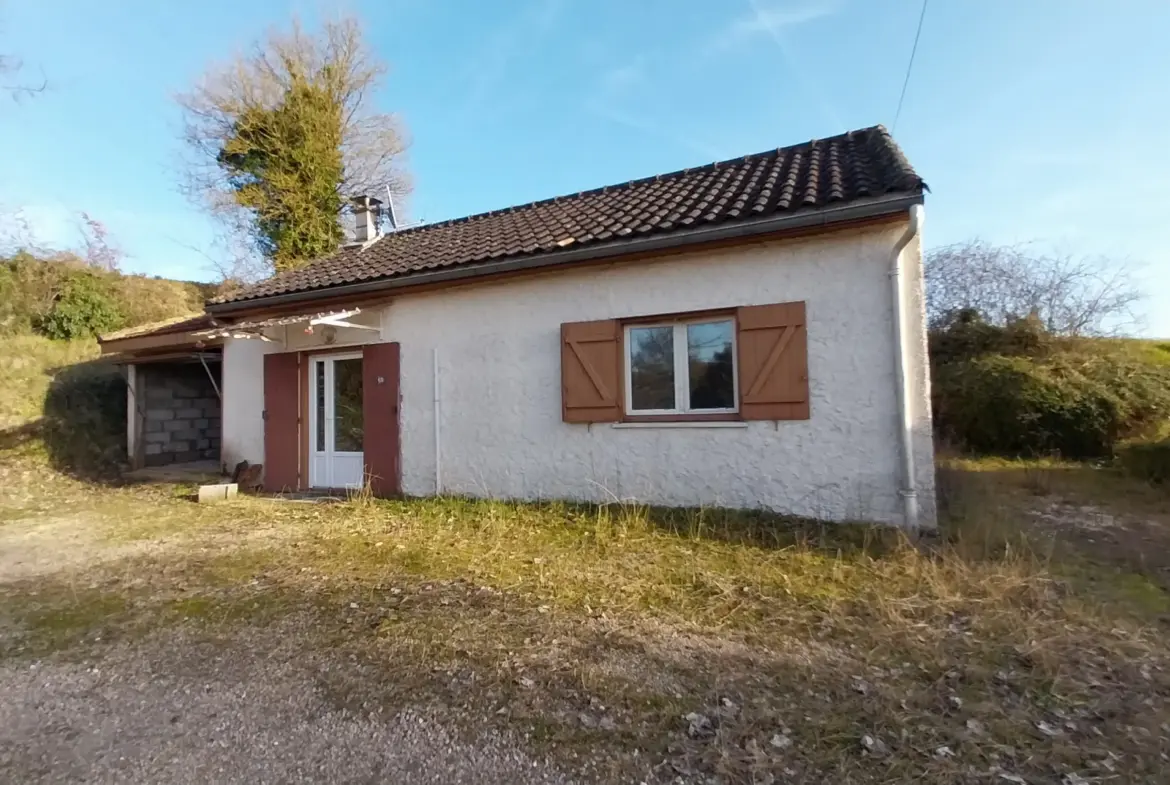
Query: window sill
[[683, 424]]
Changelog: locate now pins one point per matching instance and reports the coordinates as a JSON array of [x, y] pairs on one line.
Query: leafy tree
[[285, 165], [279, 139]]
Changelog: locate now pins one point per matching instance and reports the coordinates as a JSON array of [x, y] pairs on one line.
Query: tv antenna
[[392, 214]]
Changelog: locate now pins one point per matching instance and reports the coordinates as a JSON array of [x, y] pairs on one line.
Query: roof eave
[[821, 217]]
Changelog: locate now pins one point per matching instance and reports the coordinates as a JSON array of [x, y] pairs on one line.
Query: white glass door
[[336, 428]]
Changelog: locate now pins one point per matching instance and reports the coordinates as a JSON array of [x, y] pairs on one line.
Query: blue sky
[[1038, 121]]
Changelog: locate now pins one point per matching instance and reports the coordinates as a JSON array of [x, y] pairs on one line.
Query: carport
[[173, 397]]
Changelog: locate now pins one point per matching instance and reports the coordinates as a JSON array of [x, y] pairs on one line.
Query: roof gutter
[[611, 250]]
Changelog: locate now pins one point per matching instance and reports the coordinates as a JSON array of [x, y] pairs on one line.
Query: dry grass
[[993, 648], [27, 365]]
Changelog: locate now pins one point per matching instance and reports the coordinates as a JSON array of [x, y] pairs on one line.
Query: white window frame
[[682, 381]]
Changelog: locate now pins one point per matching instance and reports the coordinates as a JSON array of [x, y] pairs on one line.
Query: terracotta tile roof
[[814, 175]]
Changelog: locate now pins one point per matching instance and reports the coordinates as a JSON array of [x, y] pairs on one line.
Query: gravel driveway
[[249, 708]]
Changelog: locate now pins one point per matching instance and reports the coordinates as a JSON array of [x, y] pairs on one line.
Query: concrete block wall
[[182, 414]]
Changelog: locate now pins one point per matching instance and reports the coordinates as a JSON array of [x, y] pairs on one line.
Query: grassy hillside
[[61, 296], [61, 406], [28, 364], [58, 401]]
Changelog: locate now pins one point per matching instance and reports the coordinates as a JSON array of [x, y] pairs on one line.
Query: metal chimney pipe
[[365, 213]]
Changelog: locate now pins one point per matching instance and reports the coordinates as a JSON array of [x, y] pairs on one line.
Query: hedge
[[1019, 391], [1146, 460]]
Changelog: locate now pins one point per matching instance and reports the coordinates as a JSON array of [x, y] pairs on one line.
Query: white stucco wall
[[499, 363], [243, 400], [243, 379], [499, 357]]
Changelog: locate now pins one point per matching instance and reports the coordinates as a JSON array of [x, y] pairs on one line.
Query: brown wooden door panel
[[381, 366], [282, 440]]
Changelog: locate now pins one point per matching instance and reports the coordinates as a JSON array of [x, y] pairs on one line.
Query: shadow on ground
[[83, 425]]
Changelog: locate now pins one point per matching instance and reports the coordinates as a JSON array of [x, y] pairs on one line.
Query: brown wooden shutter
[[282, 421], [591, 371], [380, 446], [773, 362]]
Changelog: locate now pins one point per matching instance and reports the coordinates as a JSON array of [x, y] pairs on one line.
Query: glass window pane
[[709, 348], [348, 433], [319, 370], [652, 368]]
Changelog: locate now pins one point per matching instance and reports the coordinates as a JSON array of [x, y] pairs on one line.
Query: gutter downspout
[[438, 427], [902, 371]]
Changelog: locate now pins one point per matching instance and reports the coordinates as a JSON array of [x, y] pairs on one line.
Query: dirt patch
[[1127, 541], [44, 546], [250, 706]]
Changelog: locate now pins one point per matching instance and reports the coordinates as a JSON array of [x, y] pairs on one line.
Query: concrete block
[[176, 425], [207, 404], [202, 444], [178, 447], [153, 426], [153, 449], [201, 424], [157, 437], [158, 395], [217, 493], [187, 434], [160, 414], [189, 413]]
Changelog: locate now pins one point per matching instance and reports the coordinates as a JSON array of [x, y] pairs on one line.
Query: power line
[[910, 65]]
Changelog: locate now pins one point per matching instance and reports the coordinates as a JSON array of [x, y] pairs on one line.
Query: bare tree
[[11, 81], [1070, 295], [372, 143], [16, 232], [96, 246]]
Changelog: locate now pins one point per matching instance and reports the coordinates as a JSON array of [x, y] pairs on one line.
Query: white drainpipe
[[902, 371], [438, 427]]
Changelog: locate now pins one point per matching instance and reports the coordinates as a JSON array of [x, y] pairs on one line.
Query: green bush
[[1018, 390], [1014, 406], [82, 310], [28, 288], [41, 293], [1146, 460], [968, 335]]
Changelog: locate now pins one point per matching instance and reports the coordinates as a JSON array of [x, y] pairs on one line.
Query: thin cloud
[[620, 87], [623, 78], [772, 22], [769, 21], [490, 66], [649, 128]]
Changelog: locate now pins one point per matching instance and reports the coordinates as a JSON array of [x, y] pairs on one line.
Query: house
[[749, 333]]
